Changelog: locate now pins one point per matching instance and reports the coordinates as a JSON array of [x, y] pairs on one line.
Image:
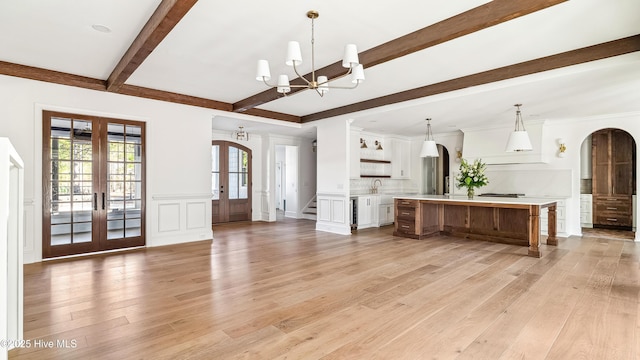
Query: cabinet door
[[364, 211], [601, 167], [400, 160], [621, 163]]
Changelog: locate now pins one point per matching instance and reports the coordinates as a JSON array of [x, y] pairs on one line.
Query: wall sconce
[[378, 145], [363, 144], [561, 148], [458, 154]]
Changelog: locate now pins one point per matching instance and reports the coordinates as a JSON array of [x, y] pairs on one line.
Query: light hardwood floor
[[285, 291]]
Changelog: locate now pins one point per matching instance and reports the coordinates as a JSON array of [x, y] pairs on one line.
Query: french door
[[93, 184], [230, 182]]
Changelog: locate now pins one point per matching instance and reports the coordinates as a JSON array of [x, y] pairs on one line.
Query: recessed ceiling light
[[101, 28]]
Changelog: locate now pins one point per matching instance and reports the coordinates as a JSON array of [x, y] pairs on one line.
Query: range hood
[[489, 144]]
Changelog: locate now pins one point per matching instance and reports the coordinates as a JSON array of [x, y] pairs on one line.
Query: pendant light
[[519, 138], [429, 148]]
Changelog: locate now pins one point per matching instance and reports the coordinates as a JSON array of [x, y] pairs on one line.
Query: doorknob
[[221, 189]]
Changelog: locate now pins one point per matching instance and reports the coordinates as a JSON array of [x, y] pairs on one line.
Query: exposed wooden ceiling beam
[[56, 77], [476, 19], [163, 20], [273, 115], [161, 95], [591, 53]]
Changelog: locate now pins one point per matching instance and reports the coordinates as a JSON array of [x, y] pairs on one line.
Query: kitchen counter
[[482, 199], [498, 219]]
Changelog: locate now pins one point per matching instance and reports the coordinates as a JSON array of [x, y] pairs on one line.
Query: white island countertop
[[483, 199]]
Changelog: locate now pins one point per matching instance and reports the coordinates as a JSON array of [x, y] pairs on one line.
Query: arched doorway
[[608, 180], [230, 182]]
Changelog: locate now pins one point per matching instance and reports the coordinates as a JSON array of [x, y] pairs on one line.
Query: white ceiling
[[212, 54]]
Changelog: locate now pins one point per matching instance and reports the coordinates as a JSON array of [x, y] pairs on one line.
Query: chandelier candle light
[[320, 83]]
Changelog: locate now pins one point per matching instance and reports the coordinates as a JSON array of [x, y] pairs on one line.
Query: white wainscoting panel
[[196, 215], [168, 217], [324, 209], [338, 210], [265, 212], [179, 219], [331, 213]]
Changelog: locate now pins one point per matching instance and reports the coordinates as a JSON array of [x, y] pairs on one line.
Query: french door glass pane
[[233, 186], [71, 181], [215, 185], [244, 188], [124, 181], [234, 159], [215, 172], [238, 173]]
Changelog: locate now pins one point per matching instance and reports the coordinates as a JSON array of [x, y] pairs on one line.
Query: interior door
[[93, 184], [231, 182]]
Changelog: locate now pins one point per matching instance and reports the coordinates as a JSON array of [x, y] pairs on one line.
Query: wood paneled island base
[[505, 220]]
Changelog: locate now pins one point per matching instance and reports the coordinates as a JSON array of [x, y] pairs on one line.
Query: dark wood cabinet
[[613, 154]]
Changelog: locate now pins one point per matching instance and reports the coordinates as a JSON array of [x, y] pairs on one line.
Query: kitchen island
[[506, 220]]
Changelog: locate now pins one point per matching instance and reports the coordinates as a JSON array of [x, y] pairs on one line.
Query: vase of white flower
[[471, 176]]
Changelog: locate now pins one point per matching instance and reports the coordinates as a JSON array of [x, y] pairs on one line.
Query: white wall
[[178, 155], [280, 177], [291, 181], [333, 176]]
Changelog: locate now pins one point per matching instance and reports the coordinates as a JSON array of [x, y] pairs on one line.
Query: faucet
[[374, 185]]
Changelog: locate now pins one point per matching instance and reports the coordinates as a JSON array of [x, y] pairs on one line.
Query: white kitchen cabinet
[[385, 210], [561, 219], [367, 211], [400, 158], [586, 211], [385, 214]]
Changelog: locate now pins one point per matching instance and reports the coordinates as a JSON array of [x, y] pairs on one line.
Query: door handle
[[95, 201], [103, 201]]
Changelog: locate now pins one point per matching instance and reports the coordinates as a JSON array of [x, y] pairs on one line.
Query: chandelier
[[241, 134], [519, 138], [320, 83]]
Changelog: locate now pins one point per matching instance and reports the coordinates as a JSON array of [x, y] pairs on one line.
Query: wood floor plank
[[285, 291]]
